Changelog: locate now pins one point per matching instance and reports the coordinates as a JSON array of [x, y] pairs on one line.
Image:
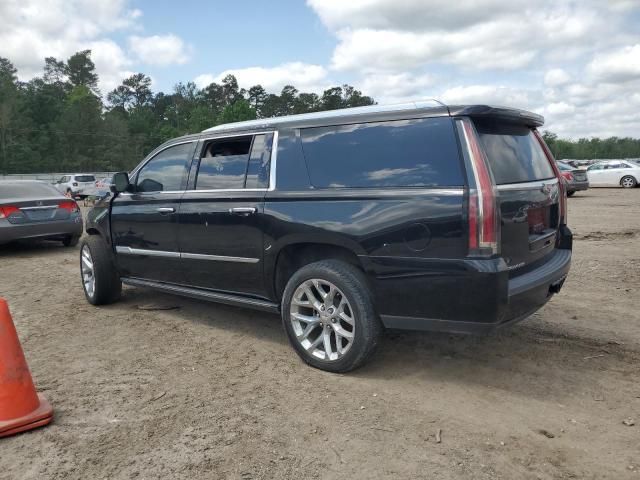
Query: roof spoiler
[[511, 115]]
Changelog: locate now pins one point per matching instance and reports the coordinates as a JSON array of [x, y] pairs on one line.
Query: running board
[[201, 294]]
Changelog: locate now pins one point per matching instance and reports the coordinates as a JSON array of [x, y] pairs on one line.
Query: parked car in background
[[614, 173], [77, 185], [575, 178], [423, 217], [102, 187], [30, 209]]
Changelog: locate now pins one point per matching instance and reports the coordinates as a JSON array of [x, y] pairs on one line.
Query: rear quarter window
[[400, 153], [514, 153]]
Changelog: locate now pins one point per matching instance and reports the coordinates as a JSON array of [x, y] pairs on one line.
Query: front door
[[221, 215], [144, 222]]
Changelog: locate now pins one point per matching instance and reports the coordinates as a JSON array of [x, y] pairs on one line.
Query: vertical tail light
[[69, 205], [483, 210], [7, 210], [561, 185]]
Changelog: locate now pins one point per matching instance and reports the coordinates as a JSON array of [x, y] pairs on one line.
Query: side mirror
[[120, 182]]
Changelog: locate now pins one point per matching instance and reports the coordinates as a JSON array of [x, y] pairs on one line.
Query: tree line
[[61, 122], [592, 148]]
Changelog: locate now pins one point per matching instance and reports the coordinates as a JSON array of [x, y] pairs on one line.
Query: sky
[[575, 62]]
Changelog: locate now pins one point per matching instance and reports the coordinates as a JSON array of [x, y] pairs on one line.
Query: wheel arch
[[293, 255]]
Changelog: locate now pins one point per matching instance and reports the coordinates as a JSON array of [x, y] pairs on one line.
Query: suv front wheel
[[100, 280], [329, 316]]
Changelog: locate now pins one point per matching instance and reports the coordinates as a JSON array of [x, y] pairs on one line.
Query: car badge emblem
[[39, 203]]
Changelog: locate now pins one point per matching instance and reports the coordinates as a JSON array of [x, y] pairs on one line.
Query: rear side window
[[27, 190], [85, 178], [224, 164], [514, 153], [402, 153]]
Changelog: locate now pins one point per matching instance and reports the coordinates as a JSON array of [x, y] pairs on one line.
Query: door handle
[[163, 210], [244, 211]]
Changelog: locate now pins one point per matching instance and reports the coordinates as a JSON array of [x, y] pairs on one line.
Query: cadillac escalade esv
[[418, 216]]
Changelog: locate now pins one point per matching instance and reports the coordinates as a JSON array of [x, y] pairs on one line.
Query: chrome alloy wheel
[[88, 276], [322, 319]]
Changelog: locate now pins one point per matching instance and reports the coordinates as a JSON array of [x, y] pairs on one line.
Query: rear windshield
[[85, 178], [514, 154], [402, 153], [27, 190]]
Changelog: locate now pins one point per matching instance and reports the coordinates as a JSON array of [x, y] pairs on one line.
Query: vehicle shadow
[[524, 359], [34, 247]]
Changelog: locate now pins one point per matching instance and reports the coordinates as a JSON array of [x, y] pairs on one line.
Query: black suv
[[418, 216]]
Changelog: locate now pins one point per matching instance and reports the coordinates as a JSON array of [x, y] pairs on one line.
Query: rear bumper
[[577, 186], [476, 297], [43, 230]]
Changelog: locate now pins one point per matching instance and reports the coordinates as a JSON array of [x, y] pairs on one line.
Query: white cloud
[[305, 77], [578, 63], [160, 50], [616, 66], [556, 77], [31, 30]]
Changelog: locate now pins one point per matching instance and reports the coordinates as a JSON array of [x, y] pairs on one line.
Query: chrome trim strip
[[221, 258], [220, 135], [142, 251], [528, 185], [273, 160], [191, 256], [44, 207], [204, 294]]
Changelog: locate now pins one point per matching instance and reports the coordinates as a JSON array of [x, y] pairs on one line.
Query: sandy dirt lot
[[208, 391]]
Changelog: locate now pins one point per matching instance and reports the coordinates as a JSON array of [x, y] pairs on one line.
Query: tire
[[628, 182], [348, 295], [99, 276], [71, 241], [571, 194]]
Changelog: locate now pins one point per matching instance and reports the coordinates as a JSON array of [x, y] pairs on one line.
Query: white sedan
[[614, 173]]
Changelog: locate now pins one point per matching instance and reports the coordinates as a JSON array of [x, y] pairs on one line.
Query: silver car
[[36, 210], [614, 173]]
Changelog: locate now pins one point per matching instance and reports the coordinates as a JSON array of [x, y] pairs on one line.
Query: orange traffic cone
[[21, 408]]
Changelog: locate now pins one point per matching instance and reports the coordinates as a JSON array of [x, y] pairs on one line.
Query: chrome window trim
[[536, 184], [272, 166], [190, 256]]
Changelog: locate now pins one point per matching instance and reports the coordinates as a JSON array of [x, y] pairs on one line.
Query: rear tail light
[[8, 210], [483, 209], [561, 185], [567, 176], [70, 206]]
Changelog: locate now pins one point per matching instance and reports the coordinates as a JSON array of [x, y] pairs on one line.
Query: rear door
[[221, 214], [144, 222], [528, 190]]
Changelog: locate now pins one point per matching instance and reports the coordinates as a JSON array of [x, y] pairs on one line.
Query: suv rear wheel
[[329, 317], [100, 280]]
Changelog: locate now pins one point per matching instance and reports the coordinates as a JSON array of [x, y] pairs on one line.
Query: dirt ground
[[208, 391]]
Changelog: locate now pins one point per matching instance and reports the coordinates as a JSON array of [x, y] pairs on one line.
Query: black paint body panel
[[410, 242]]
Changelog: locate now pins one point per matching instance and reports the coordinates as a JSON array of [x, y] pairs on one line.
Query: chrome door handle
[[164, 210], [243, 210]]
